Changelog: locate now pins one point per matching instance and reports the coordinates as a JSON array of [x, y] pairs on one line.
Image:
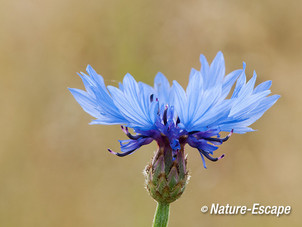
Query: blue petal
[[148, 107], [263, 86], [179, 101], [213, 117], [133, 102], [205, 68], [229, 81], [99, 81], [259, 110], [97, 101], [206, 102], [248, 88], [217, 70], [106, 105], [240, 83], [236, 129], [87, 103], [245, 104], [240, 124], [265, 104], [194, 93], [162, 89]]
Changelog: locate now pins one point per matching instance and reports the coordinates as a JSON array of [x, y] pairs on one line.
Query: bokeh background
[[54, 167]]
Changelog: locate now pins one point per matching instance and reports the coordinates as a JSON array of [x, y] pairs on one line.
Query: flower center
[[167, 133]]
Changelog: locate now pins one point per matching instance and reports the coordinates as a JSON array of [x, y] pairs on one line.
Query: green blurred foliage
[[54, 167]]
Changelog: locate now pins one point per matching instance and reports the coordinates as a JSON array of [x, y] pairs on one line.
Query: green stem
[[162, 215]]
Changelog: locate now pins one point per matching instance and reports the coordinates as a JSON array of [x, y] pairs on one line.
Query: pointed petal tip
[[254, 73], [128, 79], [128, 75], [219, 54], [202, 58], [74, 91], [88, 67], [161, 78], [159, 74], [194, 73], [243, 65], [175, 83]]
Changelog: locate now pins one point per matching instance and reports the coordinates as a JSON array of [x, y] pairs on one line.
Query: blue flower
[[195, 116]]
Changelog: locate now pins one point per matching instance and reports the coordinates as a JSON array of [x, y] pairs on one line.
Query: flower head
[[195, 116]]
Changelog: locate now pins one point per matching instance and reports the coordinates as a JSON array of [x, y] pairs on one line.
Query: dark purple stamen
[[177, 121], [193, 132], [120, 154], [165, 116], [207, 155], [151, 97], [125, 130]]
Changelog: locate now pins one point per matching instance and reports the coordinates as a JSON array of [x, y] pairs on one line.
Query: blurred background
[[55, 169]]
